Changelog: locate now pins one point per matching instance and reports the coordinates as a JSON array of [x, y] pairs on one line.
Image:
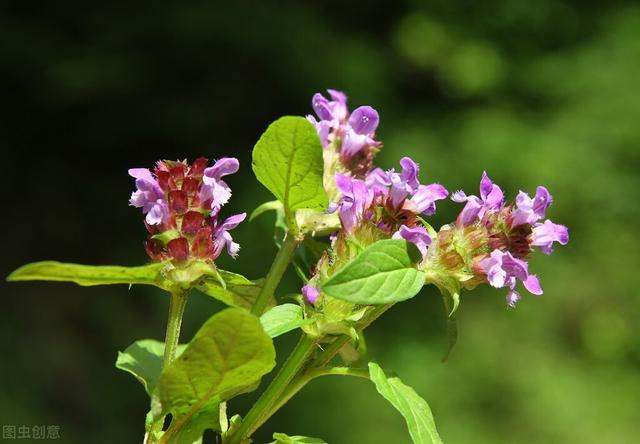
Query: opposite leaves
[[384, 272], [411, 406], [288, 161]]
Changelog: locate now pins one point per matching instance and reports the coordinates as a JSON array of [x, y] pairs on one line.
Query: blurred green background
[[543, 92]]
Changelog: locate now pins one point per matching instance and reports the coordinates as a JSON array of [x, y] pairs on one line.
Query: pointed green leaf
[[87, 275], [411, 406], [288, 161], [143, 359], [281, 438], [384, 272], [450, 305], [229, 353], [282, 319], [238, 291]]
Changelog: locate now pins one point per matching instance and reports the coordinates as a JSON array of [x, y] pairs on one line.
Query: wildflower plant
[[357, 235]]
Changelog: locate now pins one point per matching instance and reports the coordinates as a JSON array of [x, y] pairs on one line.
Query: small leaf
[[228, 354], [384, 272], [237, 291], [282, 319], [288, 161], [143, 359], [450, 321], [273, 205], [411, 406], [281, 438], [87, 275]]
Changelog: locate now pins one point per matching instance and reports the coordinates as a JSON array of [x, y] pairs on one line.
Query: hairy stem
[[262, 408], [279, 266]]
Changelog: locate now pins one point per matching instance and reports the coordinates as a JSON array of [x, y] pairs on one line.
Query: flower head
[[181, 203], [508, 231], [350, 134]]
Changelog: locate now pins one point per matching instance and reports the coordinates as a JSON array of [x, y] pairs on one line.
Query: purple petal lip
[[222, 167], [416, 235], [364, 120]]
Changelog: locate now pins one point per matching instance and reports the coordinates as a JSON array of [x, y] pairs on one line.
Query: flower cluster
[[371, 203], [497, 239], [490, 242], [182, 203], [352, 135], [391, 201]]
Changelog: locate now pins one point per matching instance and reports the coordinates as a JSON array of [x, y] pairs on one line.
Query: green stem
[[174, 322], [177, 304], [279, 266], [262, 408], [315, 368]]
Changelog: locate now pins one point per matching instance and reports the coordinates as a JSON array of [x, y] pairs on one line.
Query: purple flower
[[545, 234], [334, 110], [310, 293], [417, 236], [530, 211], [491, 198], [378, 182], [503, 270], [322, 128], [222, 238], [354, 130], [214, 188], [149, 196], [356, 199], [364, 120], [405, 184], [424, 198]]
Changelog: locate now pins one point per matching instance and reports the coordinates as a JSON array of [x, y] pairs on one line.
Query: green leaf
[[228, 354], [191, 432], [411, 406], [143, 359], [238, 291], [282, 319], [281, 438], [384, 272], [87, 275], [288, 161], [273, 205], [450, 305]]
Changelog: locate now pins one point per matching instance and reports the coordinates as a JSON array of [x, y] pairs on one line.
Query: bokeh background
[[544, 92]]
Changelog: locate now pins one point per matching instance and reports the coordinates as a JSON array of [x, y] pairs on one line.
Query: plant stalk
[[279, 266], [315, 368], [177, 304], [261, 410]]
